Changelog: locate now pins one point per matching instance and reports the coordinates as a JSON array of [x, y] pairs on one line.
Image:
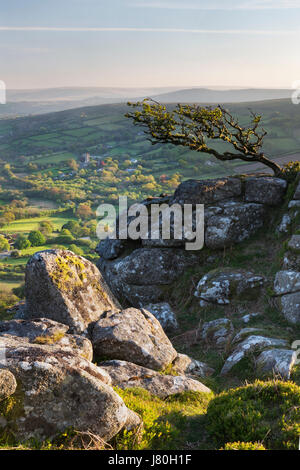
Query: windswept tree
[[198, 127]]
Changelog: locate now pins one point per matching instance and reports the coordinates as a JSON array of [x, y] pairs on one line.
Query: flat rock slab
[[58, 390], [207, 191], [265, 190], [67, 288], [251, 344], [127, 375], [48, 332], [277, 361], [135, 336]]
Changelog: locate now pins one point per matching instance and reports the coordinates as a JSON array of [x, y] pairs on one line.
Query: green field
[[27, 225]]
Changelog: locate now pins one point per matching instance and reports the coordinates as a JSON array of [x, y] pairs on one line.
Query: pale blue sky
[[50, 43]]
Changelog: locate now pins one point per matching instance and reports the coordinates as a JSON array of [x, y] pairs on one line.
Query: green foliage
[[263, 411], [291, 170], [4, 245], [46, 227], [167, 424], [243, 446], [22, 243], [76, 249], [36, 238], [198, 127]]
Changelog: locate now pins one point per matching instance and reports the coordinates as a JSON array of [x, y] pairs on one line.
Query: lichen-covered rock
[[294, 244], [290, 306], [276, 361], [287, 287], [217, 331], [291, 261], [164, 314], [237, 222], [265, 190], [135, 336], [207, 191], [251, 344], [59, 390], [8, 384], [127, 375], [220, 286], [185, 365], [49, 332], [66, 288], [287, 282], [285, 223]]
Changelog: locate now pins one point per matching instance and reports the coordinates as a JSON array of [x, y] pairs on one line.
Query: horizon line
[[145, 30]]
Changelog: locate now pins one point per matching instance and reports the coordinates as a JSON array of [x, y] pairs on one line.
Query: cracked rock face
[[277, 361], [135, 336], [67, 288], [251, 344], [221, 286], [287, 287], [265, 190], [127, 375], [59, 389]]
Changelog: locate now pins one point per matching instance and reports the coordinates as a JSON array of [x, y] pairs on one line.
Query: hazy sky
[[50, 43]]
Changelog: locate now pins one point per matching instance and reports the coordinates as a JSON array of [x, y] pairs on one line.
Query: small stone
[[8, 384], [164, 314]]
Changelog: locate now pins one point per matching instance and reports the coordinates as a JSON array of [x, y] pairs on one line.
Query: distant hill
[[33, 102], [204, 95]]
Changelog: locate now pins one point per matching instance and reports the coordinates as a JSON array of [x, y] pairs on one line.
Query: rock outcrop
[[135, 336], [66, 288], [235, 209]]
